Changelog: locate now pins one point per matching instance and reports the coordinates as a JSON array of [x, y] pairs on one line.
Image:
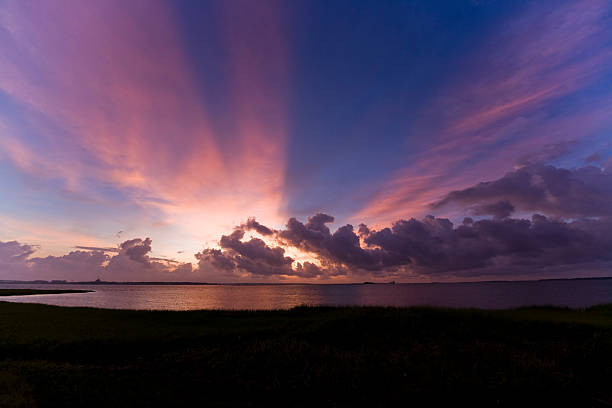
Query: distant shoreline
[[153, 283], [29, 292]]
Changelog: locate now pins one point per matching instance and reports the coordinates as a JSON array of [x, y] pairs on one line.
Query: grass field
[[24, 292], [54, 356]]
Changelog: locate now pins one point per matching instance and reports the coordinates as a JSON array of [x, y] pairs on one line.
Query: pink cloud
[[114, 81], [129, 262]]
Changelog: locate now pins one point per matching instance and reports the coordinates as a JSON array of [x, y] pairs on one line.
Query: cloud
[[547, 153], [17, 263], [77, 265], [252, 224], [505, 99], [593, 158], [136, 249], [434, 245], [570, 223], [102, 249], [310, 236], [581, 192], [91, 93], [255, 248], [13, 256], [500, 209], [131, 262], [430, 246], [253, 256], [13, 251], [338, 249], [171, 261]]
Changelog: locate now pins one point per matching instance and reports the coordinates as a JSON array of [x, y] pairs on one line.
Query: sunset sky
[[316, 141]]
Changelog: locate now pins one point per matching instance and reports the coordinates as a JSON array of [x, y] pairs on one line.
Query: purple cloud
[[130, 263], [581, 192], [431, 246], [253, 256], [500, 209], [252, 224], [77, 265], [136, 249], [13, 251]]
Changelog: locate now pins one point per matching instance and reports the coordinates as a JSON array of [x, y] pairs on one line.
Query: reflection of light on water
[[189, 297]]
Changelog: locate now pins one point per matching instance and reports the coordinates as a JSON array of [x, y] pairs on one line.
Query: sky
[[305, 141]]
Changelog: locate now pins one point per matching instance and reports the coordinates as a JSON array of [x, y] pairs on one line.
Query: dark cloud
[[582, 192], [500, 209], [574, 231], [136, 249], [337, 249], [594, 158], [255, 249], [252, 224], [253, 256], [310, 236], [171, 261], [432, 245], [134, 263]]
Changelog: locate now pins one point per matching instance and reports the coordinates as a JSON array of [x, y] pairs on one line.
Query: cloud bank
[[430, 246], [567, 214], [562, 218], [130, 261]]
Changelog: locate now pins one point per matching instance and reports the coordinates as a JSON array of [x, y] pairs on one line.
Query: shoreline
[[30, 292], [153, 283]]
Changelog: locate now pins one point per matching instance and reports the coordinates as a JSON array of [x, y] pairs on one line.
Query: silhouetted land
[[22, 292], [54, 356]]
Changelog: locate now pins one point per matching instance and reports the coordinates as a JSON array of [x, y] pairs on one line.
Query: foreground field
[[53, 356]]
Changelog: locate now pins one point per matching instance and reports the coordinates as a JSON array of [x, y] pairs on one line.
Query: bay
[[487, 295]]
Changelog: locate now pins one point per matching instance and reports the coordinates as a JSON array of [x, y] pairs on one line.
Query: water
[[488, 295]]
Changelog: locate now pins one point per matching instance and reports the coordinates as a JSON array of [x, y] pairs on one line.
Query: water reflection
[[577, 293]]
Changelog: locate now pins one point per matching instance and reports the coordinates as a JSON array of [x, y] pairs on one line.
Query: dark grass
[[307, 356], [24, 292]]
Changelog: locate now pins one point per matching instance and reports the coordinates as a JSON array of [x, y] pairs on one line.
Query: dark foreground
[[52, 356]]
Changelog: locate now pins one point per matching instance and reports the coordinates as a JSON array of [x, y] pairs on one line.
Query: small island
[[25, 292]]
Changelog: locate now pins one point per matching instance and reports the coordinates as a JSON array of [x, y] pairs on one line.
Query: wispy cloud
[[105, 99], [503, 103]]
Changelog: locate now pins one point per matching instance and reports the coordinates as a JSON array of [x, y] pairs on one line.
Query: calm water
[[490, 295]]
